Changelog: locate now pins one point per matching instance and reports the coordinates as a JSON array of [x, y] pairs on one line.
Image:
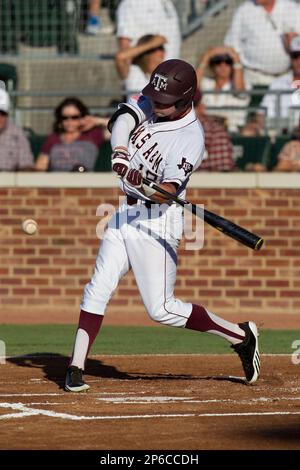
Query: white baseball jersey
[[166, 151]]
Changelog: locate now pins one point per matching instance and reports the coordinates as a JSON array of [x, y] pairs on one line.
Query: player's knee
[[162, 313]]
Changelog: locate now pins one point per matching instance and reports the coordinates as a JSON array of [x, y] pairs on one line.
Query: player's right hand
[[120, 161]]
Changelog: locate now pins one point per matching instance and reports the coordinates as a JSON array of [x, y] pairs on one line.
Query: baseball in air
[[29, 226]]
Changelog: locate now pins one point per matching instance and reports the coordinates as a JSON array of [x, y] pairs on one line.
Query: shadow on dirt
[[277, 433], [54, 368]]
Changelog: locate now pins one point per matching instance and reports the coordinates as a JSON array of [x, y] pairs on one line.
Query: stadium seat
[[103, 162], [251, 150], [8, 74], [36, 141]]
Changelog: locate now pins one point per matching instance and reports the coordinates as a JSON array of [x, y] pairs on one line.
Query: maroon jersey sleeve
[[96, 135], [49, 142]]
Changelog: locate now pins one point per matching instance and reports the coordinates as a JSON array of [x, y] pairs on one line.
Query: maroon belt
[[131, 201]]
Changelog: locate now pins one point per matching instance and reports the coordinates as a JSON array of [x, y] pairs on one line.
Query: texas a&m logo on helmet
[[160, 82]]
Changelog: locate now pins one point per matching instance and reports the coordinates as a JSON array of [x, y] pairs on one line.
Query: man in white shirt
[[15, 152], [260, 32], [136, 19], [289, 81]]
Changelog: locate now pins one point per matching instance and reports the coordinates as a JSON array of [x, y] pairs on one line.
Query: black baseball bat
[[225, 226]]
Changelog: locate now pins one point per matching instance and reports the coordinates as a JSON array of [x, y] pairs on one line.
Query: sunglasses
[[3, 113], [295, 55], [73, 117], [221, 61]]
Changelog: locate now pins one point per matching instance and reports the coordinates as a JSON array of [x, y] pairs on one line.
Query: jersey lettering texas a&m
[[166, 151]]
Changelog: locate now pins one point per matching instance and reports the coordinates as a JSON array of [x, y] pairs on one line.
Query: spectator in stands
[[289, 157], [145, 57], [136, 19], [218, 147], [227, 72], [254, 126], [288, 81], [93, 25], [76, 139], [260, 32], [15, 153]]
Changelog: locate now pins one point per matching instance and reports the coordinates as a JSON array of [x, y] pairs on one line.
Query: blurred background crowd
[[66, 64]]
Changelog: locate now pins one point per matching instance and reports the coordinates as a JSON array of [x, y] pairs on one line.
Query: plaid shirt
[[218, 146], [15, 152]]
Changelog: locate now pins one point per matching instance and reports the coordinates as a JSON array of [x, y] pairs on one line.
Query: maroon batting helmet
[[173, 82]]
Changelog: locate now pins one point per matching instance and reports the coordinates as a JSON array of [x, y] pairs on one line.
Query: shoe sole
[[82, 388], [256, 359]]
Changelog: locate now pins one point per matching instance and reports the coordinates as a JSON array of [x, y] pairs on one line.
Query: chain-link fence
[[48, 52]]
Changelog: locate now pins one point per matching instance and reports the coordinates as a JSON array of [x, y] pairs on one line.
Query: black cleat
[[74, 380], [248, 351]]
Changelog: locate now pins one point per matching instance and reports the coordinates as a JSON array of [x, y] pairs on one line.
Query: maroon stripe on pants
[[200, 321]]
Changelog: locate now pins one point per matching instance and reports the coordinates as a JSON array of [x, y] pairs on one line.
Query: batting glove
[[120, 162], [134, 178]]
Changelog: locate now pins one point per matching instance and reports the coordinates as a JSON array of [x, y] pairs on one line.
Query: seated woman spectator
[[76, 139], [227, 74], [218, 147], [289, 157], [135, 64]]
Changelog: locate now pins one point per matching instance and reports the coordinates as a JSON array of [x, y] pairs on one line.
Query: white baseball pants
[[146, 241]]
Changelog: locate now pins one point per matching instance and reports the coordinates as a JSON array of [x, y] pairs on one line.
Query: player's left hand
[[134, 178]]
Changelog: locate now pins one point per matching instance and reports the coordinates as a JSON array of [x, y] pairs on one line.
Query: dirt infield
[[150, 402]]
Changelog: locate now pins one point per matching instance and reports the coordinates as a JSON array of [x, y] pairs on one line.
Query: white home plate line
[[158, 399], [16, 415], [48, 403], [149, 399], [27, 411]]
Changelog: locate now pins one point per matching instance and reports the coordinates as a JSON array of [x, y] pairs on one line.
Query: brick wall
[[47, 271]]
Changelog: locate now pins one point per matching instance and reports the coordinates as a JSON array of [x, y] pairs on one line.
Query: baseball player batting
[[157, 136]]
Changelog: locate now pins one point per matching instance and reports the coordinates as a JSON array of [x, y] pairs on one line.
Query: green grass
[[58, 339]]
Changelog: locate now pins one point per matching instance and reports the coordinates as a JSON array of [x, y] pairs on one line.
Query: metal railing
[[276, 124], [58, 23], [194, 14]]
